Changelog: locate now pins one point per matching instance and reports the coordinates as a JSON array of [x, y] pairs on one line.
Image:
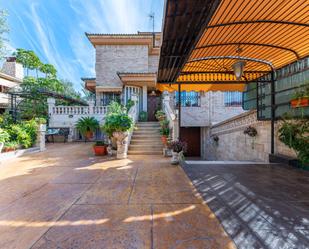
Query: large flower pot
[[175, 158], [122, 144], [89, 135], [100, 150], [301, 102], [164, 140]]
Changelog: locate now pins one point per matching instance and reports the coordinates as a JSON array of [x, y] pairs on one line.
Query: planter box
[[303, 102]]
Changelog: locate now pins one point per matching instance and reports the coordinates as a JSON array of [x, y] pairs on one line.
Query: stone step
[[146, 141], [145, 152], [138, 132], [148, 128], [147, 137], [134, 147], [148, 125]]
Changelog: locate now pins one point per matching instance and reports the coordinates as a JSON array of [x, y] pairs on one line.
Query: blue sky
[[55, 29]]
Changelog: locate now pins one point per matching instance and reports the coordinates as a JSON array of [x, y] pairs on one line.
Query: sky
[[55, 29]]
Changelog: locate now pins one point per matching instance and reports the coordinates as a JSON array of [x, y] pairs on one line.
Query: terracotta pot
[[89, 135], [302, 102], [100, 150], [8, 149], [164, 140]]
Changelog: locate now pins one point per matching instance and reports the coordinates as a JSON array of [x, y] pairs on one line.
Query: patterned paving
[[67, 198]]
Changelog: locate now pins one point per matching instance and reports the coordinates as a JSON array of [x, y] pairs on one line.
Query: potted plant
[[10, 146], [165, 132], [294, 134], [251, 132], [301, 98], [4, 137], [143, 116], [215, 138], [160, 115], [178, 148], [100, 148], [87, 126], [118, 124]]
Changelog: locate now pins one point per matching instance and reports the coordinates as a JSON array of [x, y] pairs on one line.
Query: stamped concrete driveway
[[260, 206], [66, 198]]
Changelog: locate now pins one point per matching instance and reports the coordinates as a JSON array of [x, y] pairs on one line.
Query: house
[[11, 75], [126, 65]]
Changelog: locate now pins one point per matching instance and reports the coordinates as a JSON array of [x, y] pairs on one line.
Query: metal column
[[179, 109], [273, 111]]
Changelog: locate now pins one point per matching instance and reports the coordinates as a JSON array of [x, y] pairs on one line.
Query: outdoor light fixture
[[153, 93], [238, 68]]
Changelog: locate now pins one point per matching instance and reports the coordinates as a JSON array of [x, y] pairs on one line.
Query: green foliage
[[295, 134], [19, 134], [12, 145], [28, 59], [143, 116], [164, 123], [4, 136], [86, 124], [49, 70], [5, 120], [302, 92], [160, 115], [117, 119], [165, 131], [130, 104], [3, 31]]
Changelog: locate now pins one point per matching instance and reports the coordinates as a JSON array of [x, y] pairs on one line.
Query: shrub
[[86, 124], [20, 135], [117, 119], [130, 104], [4, 136], [294, 134], [143, 116], [165, 131], [164, 123]]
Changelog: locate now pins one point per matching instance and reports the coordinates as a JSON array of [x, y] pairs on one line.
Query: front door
[[153, 103]]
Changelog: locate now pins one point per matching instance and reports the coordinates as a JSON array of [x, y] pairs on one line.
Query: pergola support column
[[179, 110], [273, 112]]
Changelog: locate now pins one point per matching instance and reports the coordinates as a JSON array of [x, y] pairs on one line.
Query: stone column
[[90, 106], [51, 104], [41, 137], [145, 98]]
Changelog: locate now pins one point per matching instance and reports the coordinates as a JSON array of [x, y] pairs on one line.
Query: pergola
[[203, 39]]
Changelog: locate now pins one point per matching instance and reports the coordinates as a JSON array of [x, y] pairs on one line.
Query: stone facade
[[111, 59], [212, 110], [233, 144]]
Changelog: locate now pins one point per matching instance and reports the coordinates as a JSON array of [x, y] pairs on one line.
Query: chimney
[[13, 68]]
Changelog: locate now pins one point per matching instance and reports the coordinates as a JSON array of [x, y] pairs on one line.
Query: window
[[106, 98], [233, 99], [188, 99]]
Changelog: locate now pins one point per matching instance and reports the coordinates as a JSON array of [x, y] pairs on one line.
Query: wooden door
[[152, 106], [192, 136]]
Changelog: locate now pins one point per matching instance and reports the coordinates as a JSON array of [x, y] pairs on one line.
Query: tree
[[28, 59], [49, 70], [3, 31]]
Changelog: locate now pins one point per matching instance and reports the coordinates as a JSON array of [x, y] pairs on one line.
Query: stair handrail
[[171, 116]]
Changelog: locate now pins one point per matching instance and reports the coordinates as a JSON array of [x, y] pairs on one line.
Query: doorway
[[153, 104], [192, 136]]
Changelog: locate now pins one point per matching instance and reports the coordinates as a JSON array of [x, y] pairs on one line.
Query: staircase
[[146, 139]]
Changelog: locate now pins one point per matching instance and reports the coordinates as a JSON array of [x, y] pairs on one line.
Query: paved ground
[[66, 198], [259, 206]]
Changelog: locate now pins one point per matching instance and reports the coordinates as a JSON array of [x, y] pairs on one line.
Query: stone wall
[[212, 110], [153, 63], [233, 144], [111, 59]]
